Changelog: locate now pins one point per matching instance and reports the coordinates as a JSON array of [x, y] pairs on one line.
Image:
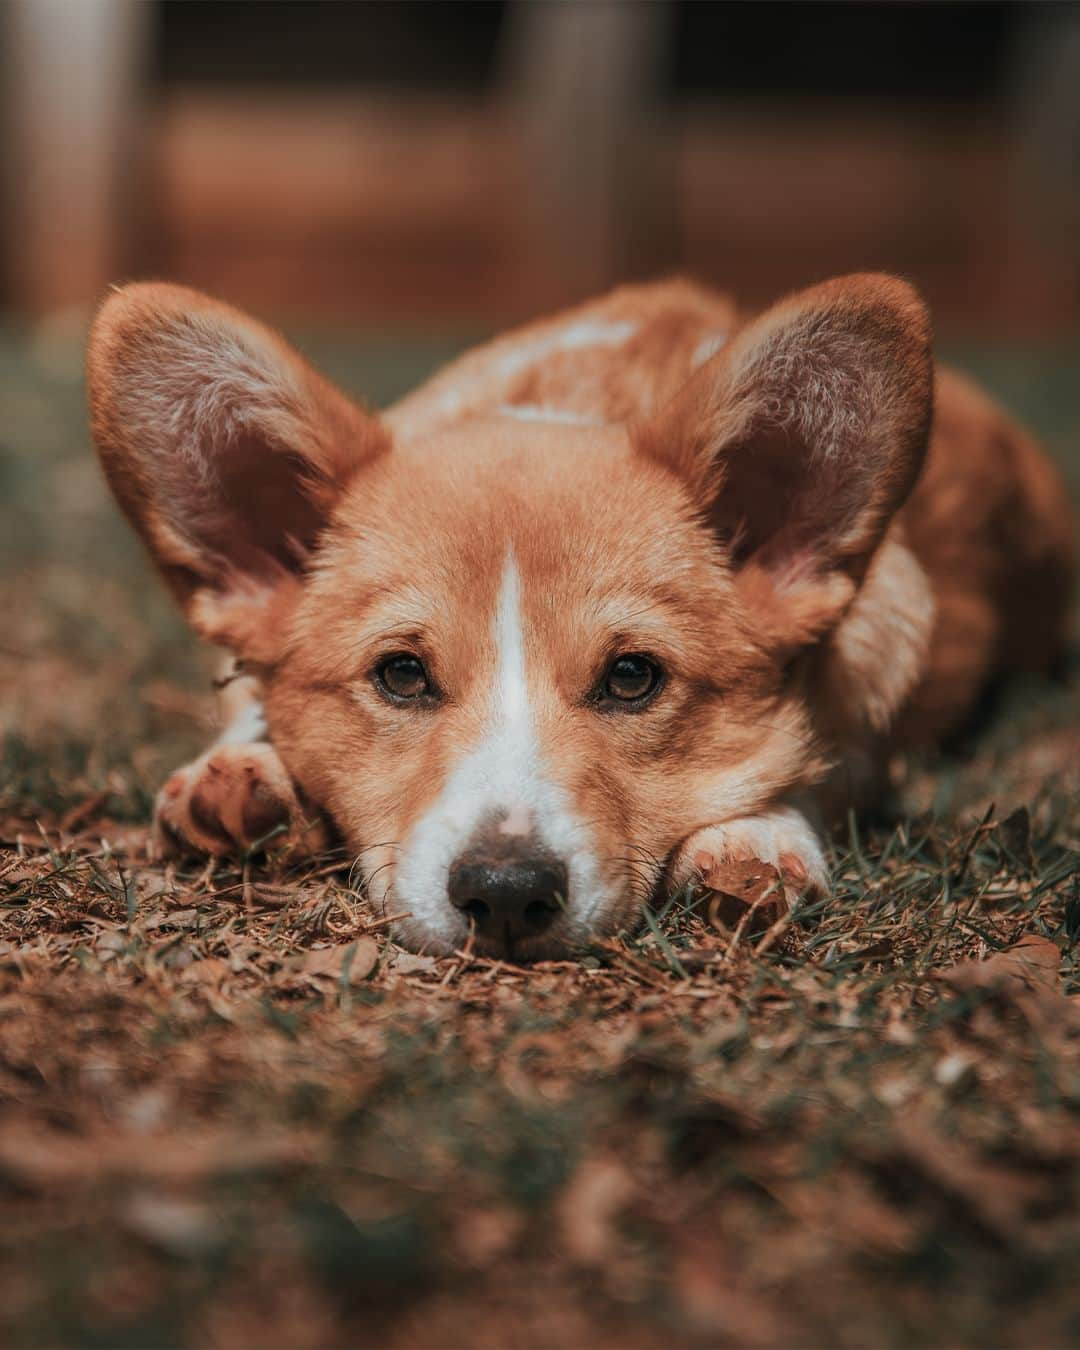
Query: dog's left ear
[[801, 439]]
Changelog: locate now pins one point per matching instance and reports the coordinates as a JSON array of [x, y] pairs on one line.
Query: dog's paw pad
[[230, 799], [739, 857], [264, 811]]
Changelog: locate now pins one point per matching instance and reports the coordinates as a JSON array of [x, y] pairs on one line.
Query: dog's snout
[[508, 894]]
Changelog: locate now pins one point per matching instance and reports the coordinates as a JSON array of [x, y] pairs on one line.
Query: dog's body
[[621, 596]]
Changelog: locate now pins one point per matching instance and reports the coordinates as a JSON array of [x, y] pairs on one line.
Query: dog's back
[[613, 359], [988, 519]]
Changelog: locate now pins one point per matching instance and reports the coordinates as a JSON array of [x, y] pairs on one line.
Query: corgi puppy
[[609, 602]]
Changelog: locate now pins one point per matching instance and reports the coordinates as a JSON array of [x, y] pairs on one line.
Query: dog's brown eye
[[403, 677], [631, 679]]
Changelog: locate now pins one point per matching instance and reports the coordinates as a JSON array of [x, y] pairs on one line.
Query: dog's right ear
[[226, 451]]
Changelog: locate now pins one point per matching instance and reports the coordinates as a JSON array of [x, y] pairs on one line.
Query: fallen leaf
[[179, 918], [1014, 833], [353, 960], [210, 970], [700, 958], [1033, 964], [739, 887], [15, 876], [407, 963], [151, 884]]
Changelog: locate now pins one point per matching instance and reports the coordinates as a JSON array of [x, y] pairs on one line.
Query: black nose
[[508, 898]]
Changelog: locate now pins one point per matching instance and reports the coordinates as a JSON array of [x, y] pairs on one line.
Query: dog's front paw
[[784, 838], [230, 799]]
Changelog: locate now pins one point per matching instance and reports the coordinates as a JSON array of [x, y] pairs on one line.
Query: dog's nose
[[510, 897]]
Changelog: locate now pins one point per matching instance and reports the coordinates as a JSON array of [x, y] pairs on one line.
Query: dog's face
[[519, 662], [519, 651]]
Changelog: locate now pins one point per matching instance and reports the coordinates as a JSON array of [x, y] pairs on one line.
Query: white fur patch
[[248, 725], [533, 412], [885, 634], [504, 775], [595, 333], [707, 348], [575, 337], [511, 686]]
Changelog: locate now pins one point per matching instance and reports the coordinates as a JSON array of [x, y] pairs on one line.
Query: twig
[[740, 927]]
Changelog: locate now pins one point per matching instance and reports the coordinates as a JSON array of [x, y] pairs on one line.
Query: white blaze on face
[[511, 687], [502, 778]]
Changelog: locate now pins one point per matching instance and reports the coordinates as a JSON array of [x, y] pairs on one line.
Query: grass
[[233, 1113]]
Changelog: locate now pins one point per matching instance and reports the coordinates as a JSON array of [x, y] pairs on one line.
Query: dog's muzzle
[[510, 887]]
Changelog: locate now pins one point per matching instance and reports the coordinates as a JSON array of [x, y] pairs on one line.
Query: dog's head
[[519, 661]]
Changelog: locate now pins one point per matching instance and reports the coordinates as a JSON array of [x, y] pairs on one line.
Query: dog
[[611, 601]]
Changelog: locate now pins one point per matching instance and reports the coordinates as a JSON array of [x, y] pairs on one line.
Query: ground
[[233, 1113]]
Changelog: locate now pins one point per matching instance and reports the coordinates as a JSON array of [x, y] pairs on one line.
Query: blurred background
[[468, 164], [390, 181]]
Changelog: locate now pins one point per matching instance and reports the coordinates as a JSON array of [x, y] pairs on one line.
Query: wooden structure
[[569, 173]]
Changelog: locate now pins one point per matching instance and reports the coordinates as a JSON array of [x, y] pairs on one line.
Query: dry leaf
[[211, 970], [1031, 965], [181, 918], [1015, 833], [15, 876], [149, 885], [736, 887], [407, 963], [700, 958], [353, 960]]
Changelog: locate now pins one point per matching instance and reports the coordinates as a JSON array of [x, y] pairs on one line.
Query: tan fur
[[820, 574]]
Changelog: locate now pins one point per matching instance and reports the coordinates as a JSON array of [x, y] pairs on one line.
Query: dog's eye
[[630, 679], [403, 677]]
